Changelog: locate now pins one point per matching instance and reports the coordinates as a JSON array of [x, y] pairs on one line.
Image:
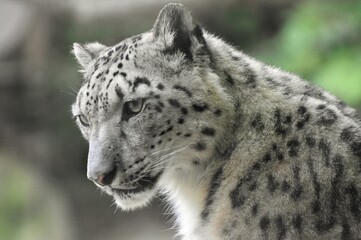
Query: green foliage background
[[321, 41]]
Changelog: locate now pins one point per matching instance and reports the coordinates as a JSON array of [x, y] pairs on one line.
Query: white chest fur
[[187, 199]]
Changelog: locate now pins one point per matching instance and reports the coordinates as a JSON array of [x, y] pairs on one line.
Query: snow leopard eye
[[132, 108], [83, 120]]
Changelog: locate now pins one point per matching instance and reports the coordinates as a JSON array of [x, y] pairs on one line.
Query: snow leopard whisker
[[162, 158], [70, 93], [157, 163], [169, 148]]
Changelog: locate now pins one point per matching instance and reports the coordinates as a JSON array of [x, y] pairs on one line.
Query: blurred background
[[44, 192]]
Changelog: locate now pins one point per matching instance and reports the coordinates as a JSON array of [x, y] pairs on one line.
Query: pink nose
[[106, 179]]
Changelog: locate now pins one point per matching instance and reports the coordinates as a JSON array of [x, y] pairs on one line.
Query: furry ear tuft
[[174, 20], [87, 52]]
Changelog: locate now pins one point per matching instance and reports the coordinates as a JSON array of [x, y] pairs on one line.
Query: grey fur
[[241, 149]]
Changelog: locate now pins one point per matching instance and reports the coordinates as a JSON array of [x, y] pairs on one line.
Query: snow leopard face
[[147, 107]]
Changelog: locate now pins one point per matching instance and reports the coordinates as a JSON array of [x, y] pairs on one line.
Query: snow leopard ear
[[87, 52], [175, 26]]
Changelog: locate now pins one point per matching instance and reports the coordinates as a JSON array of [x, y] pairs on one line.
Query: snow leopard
[[240, 149]]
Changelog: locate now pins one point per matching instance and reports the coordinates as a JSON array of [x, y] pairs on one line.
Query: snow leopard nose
[[104, 179], [101, 166]]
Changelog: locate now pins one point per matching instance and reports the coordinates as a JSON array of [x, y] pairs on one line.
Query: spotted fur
[[242, 150]]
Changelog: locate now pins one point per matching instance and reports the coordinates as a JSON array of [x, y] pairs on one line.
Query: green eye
[[83, 120], [135, 106], [132, 108]]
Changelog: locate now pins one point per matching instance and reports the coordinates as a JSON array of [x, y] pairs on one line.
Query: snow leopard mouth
[[148, 182]]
